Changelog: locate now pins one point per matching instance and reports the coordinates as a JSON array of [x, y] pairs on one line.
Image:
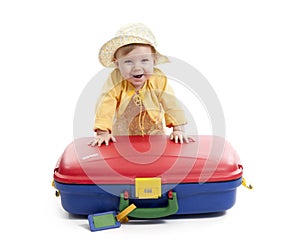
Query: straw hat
[[129, 34]]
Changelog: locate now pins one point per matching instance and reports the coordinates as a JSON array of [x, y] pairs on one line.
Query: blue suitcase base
[[193, 198]]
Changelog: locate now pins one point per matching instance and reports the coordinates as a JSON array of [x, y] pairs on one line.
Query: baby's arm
[[102, 137], [105, 110], [179, 134]]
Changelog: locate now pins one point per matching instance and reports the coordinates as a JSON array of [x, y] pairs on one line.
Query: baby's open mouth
[[138, 76]]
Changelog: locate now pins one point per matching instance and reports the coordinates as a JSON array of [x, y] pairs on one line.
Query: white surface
[[248, 50]]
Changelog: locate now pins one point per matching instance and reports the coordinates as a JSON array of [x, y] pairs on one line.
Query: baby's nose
[[137, 67]]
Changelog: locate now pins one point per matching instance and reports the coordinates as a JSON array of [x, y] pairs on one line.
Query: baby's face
[[137, 66]]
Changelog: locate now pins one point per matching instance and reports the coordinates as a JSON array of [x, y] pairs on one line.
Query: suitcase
[[159, 177]]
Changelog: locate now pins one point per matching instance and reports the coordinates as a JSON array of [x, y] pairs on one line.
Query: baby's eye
[[145, 60], [128, 62]]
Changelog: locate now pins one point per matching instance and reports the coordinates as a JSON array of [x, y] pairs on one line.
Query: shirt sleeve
[[107, 102], [173, 112]]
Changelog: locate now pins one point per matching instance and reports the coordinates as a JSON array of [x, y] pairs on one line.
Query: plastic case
[[160, 177]]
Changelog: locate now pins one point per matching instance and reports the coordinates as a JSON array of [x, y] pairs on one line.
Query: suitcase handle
[[150, 213]]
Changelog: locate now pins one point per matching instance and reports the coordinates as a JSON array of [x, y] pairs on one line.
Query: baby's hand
[[181, 136], [102, 138]]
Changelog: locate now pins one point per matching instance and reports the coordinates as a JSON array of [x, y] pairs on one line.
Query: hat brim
[[108, 50]]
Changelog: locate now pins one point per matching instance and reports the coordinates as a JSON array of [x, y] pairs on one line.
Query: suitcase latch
[[148, 188]]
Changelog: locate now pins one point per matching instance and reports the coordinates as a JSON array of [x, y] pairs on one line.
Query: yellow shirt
[[157, 97]]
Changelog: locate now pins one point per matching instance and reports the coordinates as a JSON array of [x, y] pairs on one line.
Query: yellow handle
[[122, 215]]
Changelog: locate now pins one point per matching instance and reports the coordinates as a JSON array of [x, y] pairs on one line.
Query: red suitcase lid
[[209, 159]]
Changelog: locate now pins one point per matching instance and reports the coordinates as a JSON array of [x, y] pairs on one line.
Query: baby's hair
[[126, 49]]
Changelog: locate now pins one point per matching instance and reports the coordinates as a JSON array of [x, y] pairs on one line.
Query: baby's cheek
[[125, 74]]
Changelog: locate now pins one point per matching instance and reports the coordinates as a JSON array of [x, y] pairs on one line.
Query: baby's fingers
[[191, 139], [101, 141], [171, 136], [176, 139], [188, 139], [93, 142], [111, 138], [180, 139]]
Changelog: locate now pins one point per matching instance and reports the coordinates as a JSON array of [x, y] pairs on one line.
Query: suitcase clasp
[[148, 188]]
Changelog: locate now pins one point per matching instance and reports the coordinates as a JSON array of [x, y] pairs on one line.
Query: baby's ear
[[115, 61]]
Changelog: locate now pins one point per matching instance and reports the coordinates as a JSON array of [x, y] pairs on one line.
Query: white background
[[248, 50]]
